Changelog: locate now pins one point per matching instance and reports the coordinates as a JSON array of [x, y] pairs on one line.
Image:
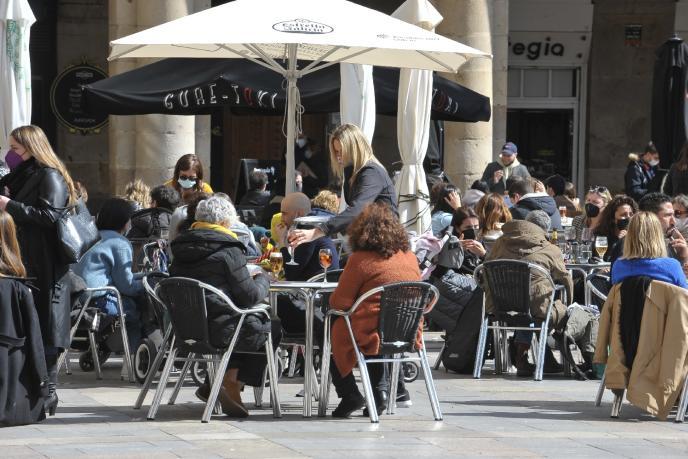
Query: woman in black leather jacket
[[38, 184]]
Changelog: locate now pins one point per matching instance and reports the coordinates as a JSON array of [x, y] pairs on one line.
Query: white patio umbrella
[[15, 66], [357, 97], [413, 124], [277, 33]]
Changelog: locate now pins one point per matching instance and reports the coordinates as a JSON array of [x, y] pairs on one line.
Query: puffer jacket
[[537, 201], [661, 363], [456, 291], [525, 241], [218, 259], [149, 223]]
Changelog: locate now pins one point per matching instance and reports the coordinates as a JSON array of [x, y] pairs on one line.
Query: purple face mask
[[13, 159]]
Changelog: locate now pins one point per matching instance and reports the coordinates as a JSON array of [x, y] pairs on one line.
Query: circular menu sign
[[67, 101]]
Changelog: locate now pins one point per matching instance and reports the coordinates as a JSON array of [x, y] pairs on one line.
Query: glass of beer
[[276, 263], [325, 261], [562, 211], [601, 245]]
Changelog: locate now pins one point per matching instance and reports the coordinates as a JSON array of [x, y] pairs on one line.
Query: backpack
[[461, 342]]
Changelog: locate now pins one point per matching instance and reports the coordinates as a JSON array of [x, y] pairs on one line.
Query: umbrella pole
[[291, 116]]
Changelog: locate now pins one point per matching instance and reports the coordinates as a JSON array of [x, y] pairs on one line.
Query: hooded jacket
[[661, 361], [526, 241], [515, 169], [218, 259], [149, 223], [537, 201], [638, 177]]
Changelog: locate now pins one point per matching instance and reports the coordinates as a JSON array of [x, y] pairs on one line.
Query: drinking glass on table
[[587, 234], [325, 256], [601, 245], [291, 249], [276, 263]]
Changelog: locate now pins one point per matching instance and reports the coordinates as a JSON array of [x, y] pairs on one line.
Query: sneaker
[[404, 399]]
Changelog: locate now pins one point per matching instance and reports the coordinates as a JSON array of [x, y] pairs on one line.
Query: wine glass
[[276, 263], [325, 256], [601, 245], [291, 249]]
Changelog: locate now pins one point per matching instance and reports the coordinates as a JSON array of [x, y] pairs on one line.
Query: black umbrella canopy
[[670, 99], [200, 86]]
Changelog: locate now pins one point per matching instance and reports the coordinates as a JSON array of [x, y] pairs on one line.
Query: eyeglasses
[[598, 189], [188, 177]]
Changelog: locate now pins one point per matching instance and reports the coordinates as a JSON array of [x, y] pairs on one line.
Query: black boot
[[50, 403]]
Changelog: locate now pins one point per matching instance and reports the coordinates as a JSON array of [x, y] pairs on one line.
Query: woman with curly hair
[[614, 221], [492, 214], [381, 255]]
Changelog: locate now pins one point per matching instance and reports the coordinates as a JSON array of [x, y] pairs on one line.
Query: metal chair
[[508, 282], [93, 345], [185, 299], [598, 285], [402, 306]]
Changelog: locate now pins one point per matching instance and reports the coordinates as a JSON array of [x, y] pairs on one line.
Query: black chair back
[[185, 301], [599, 285], [150, 281], [508, 284], [250, 215], [402, 306]]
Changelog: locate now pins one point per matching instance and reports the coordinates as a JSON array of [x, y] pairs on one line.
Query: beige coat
[[661, 363]]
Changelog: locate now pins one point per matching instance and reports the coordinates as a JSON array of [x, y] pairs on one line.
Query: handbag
[[76, 232]]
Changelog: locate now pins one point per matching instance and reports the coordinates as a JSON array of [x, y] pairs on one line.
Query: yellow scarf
[[214, 227]]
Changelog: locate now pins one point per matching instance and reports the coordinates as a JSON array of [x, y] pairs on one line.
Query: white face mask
[[186, 183], [654, 162], [301, 142]]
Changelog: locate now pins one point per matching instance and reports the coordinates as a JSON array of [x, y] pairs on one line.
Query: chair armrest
[[361, 299]]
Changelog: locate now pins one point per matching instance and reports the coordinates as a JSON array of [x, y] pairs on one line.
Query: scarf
[[633, 291], [213, 227], [16, 179], [507, 169]]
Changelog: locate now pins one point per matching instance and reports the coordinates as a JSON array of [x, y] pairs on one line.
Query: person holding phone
[[445, 199]]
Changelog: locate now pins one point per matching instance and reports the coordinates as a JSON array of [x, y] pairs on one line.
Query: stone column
[[482, 24]]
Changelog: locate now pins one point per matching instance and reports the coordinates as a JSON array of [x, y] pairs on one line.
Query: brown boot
[[524, 368], [230, 399]]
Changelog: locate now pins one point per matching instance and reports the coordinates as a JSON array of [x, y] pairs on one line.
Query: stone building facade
[[569, 82]]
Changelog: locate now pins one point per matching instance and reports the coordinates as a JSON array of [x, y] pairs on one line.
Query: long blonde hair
[[138, 192], [10, 256], [355, 150], [645, 238], [35, 141]]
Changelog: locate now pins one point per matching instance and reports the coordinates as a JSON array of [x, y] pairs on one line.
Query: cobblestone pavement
[[495, 416]]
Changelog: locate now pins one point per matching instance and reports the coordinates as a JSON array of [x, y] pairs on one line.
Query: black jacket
[[529, 203], [256, 198], [22, 362], [637, 179], [676, 181], [218, 259], [372, 184], [149, 223], [35, 190]]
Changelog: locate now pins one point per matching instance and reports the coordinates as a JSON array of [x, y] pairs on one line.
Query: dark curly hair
[[378, 230], [607, 224]]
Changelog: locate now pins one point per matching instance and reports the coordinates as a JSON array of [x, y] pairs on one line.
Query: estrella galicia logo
[[302, 26]]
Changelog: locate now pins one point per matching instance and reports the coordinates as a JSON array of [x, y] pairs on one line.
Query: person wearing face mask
[[614, 223], [677, 178], [641, 171], [498, 172], [680, 203], [188, 175], [109, 262], [596, 199]]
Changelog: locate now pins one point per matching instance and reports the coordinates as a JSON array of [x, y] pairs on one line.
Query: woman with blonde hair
[[39, 188], [138, 193], [492, 214], [645, 253], [367, 181]]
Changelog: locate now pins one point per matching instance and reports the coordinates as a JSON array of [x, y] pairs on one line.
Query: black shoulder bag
[[76, 232]]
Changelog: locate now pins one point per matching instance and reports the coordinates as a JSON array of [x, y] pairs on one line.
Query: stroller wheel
[[143, 359], [410, 371], [198, 372], [86, 362]]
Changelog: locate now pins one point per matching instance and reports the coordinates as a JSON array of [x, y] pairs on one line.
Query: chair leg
[[162, 384], [430, 384], [155, 366], [542, 345], [292, 360], [497, 342], [618, 401], [274, 379], [180, 382], [367, 388], [480, 351], [438, 360], [683, 402], [316, 387], [94, 354], [506, 361], [600, 391], [325, 371], [394, 380], [258, 390], [125, 342]]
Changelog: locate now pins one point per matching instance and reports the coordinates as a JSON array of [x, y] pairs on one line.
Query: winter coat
[[537, 201], [371, 184], [365, 271], [572, 210], [456, 291], [218, 259], [638, 177], [23, 374], [149, 223], [256, 198], [661, 362], [526, 241], [515, 169], [35, 191], [676, 181]]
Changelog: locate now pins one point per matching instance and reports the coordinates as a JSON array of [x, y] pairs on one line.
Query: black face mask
[[469, 233], [622, 224], [591, 210]]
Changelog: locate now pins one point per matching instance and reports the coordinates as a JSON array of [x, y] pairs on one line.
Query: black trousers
[[346, 385]]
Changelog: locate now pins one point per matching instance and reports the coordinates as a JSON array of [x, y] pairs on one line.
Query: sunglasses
[[188, 177], [598, 189]]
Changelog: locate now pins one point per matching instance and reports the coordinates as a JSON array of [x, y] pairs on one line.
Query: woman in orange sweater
[[380, 256]]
